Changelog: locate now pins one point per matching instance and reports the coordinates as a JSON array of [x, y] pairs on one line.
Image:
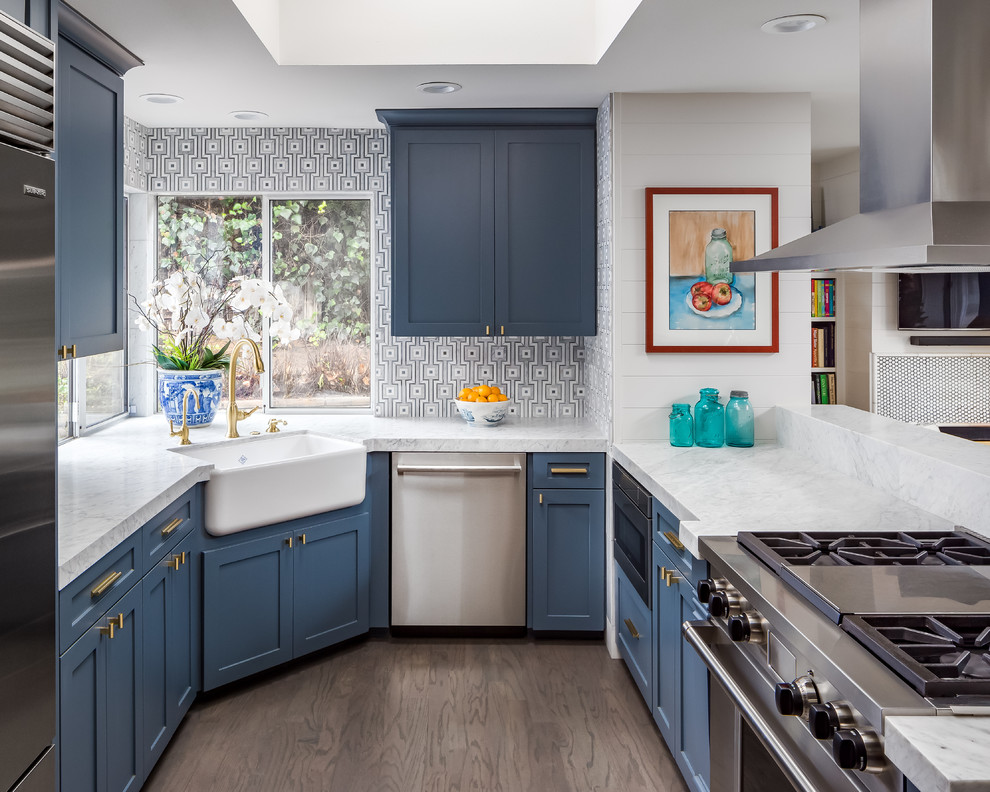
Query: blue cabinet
[[101, 700], [296, 587], [680, 678], [493, 222], [566, 542], [634, 633], [170, 634]]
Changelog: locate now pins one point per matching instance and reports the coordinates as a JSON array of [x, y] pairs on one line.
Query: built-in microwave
[[632, 513]]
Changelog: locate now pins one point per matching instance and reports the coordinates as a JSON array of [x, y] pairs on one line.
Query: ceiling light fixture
[[161, 98], [793, 23], [438, 87], [249, 115]]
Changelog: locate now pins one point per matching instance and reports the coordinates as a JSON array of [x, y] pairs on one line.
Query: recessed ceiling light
[[249, 115], [793, 23], [161, 98], [438, 87]]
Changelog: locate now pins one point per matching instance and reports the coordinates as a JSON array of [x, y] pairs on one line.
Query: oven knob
[[853, 749], [824, 720], [745, 627], [722, 602], [794, 698], [706, 588]]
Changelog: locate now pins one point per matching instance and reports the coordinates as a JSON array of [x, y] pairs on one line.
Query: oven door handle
[[695, 633]]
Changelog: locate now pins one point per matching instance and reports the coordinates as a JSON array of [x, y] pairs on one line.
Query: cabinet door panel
[[180, 681], [330, 583], [634, 634], [155, 625], [545, 231], [443, 252], [666, 651], [83, 715], [124, 666], [247, 624], [568, 560], [89, 187], [693, 751]]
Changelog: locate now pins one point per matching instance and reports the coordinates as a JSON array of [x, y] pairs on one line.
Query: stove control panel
[[855, 749], [796, 698], [825, 720], [709, 586]]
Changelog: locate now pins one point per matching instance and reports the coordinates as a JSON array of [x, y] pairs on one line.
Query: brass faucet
[[184, 431], [273, 425], [233, 414]]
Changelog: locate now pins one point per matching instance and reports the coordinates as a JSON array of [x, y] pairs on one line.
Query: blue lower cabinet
[[302, 586], [633, 633], [170, 612], [568, 563], [101, 702], [247, 609], [680, 678], [330, 570]]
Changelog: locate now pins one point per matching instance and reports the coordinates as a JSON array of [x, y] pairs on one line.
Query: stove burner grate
[[937, 655], [812, 548]]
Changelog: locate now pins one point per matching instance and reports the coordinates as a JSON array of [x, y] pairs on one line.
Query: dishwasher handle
[[695, 634], [499, 469]]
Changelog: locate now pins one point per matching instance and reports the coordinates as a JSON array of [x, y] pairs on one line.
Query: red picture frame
[[678, 221]]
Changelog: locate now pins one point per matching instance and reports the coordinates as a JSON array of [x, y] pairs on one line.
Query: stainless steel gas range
[[816, 638]]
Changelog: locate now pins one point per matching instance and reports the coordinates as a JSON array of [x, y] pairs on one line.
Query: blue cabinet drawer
[[634, 633], [666, 530], [166, 529], [95, 591], [569, 471]]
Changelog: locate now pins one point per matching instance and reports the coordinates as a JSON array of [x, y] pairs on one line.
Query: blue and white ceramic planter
[[173, 384]]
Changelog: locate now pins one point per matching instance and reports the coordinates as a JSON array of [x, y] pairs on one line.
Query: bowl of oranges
[[482, 405]]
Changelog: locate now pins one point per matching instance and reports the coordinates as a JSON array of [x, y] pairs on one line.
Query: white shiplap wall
[[706, 140]]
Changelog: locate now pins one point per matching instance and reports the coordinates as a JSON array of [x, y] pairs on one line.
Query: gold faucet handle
[[273, 425], [242, 414]]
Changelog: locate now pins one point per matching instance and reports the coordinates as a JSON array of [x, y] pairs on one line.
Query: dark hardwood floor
[[404, 715]]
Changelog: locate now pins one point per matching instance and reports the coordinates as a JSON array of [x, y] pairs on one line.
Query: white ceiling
[[205, 51]]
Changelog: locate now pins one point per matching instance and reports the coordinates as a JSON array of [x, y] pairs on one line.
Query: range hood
[[924, 147]]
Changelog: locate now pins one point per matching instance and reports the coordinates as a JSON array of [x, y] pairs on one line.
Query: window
[[91, 391], [319, 258]]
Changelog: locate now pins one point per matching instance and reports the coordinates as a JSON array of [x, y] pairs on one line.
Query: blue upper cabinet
[[493, 222], [89, 166]]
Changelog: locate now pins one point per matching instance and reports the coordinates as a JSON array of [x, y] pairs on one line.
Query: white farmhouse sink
[[276, 477]]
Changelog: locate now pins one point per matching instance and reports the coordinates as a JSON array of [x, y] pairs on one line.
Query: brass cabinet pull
[[103, 585], [632, 629], [503, 329], [289, 542], [672, 538], [62, 352], [175, 562], [488, 329], [669, 577], [541, 497], [72, 350], [107, 630], [582, 471], [170, 528], [114, 622], [183, 558], [119, 619], [302, 538]]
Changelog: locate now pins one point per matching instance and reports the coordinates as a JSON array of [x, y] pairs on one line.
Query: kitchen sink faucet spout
[[233, 413]]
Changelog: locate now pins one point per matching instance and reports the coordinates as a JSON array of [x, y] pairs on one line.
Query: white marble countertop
[[941, 754], [113, 481], [722, 491]]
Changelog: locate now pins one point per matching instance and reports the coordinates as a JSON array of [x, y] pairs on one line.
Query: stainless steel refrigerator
[[27, 471]]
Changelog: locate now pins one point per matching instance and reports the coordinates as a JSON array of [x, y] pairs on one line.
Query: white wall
[[699, 140]]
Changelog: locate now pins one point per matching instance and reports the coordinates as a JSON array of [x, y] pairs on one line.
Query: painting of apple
[[721, 293], [701, 301], [702, 287]]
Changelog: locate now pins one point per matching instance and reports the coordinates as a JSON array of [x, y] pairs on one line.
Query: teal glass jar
[[681, 426], [718, 257], [709, 419], [739, 420]]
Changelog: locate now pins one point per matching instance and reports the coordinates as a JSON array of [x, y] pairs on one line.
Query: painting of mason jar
[[704, 293], [694, 301]]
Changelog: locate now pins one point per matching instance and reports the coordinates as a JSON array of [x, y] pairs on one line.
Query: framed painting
[[694, 303]]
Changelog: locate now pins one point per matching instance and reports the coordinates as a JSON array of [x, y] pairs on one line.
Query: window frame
[[266, 272]]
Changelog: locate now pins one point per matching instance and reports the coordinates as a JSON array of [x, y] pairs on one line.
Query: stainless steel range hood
[[924, 147]]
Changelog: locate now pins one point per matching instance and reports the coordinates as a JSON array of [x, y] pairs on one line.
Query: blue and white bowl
[[172, 386], [483, 413]]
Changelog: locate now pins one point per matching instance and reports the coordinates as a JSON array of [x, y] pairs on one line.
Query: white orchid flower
[[142, 323], [197, 320], [224, 330]]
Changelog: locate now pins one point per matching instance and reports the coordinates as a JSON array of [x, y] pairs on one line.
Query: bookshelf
[[824, 388]]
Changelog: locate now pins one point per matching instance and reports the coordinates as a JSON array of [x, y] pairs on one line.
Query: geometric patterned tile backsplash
[[413, 376], [933, 389]]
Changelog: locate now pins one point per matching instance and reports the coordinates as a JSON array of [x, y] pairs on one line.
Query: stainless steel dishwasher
[[458, 540]]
